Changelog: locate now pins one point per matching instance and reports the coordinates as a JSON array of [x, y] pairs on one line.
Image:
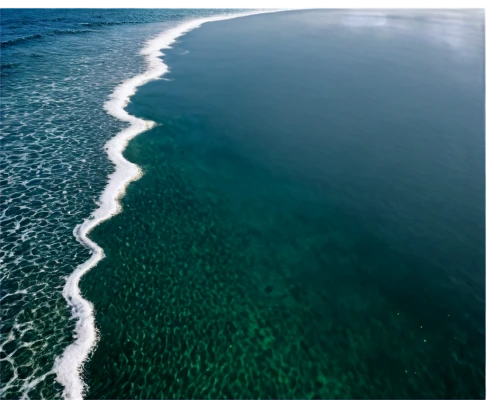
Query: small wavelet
[[71, 31], [9, 65], [23, 39], [104, 23]]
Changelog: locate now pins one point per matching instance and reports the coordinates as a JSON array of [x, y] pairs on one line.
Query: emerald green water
[[310, 223]]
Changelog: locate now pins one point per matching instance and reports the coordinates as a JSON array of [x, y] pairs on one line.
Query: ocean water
[[58, 68], [310, 222]]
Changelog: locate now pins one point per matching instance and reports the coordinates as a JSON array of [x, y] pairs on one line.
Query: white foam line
[[68, 367]]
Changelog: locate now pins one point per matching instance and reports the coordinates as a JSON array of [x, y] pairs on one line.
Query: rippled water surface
[[57, 69]]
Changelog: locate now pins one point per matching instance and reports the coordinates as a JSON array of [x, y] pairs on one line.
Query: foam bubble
[[68, 366]]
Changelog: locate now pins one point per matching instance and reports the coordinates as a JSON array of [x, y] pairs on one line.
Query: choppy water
[[58, 68], [310, 223]]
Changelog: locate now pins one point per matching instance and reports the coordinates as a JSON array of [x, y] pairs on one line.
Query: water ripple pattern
[[58, 69]]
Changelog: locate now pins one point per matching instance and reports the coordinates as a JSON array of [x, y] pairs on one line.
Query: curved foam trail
[[68, 366]]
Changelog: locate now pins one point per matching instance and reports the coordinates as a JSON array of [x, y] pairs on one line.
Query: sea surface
[[310, 222]]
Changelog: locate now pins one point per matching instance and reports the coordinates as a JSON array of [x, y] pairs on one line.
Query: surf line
[[68, 367]]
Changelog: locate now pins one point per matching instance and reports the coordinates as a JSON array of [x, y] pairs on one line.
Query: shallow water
[[311, 219]]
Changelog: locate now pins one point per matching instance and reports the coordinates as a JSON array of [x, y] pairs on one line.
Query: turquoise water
[[310, 223]]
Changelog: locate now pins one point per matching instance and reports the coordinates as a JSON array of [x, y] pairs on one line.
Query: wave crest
[[11, 42]]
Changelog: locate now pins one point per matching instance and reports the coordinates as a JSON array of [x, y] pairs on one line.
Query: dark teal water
[[311, 222]]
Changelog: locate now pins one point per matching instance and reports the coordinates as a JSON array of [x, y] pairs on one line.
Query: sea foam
[[68, 367]]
